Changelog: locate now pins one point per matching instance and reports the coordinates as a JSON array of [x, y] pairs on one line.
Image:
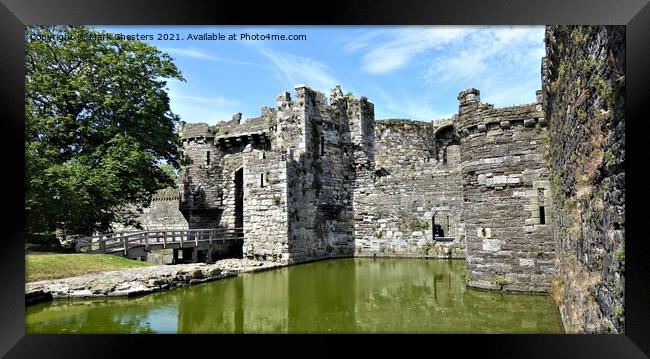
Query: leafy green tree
[[97, 123], [171, 172]]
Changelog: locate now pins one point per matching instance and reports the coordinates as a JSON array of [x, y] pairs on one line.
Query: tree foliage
[[97, 123]]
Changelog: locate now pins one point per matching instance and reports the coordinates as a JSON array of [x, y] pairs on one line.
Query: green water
[[334, 296]]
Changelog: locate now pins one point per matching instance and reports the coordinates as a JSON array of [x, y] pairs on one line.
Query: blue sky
[[407, 72]]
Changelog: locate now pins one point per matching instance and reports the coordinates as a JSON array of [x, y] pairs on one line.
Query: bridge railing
[[114, 242]]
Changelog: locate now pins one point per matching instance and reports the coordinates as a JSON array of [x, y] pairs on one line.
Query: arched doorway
[[447, 145]]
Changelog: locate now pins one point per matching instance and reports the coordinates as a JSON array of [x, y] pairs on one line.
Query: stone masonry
[[507, 203], [316, 177], [584, 89], [413, 180]]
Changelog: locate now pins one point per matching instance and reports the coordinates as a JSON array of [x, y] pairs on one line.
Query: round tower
[[507, 206]]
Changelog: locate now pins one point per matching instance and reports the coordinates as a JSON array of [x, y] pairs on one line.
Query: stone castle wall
[[265, 206], [505, 186], [200, 179], [297, 162], [320, 194], [531, 195], [584, 89], [407, 187], [322, 179], [402, 144], [212, 155], [162, 213]]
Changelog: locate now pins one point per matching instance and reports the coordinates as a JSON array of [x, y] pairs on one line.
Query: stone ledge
[[138, 281]]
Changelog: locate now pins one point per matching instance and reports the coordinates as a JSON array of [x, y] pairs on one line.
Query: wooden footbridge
[[135, 244]]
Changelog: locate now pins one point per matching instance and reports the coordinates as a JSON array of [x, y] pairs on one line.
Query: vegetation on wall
[[585, 109]]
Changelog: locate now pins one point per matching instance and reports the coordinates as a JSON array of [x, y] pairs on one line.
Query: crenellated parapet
[[476, 117], [194, 132]]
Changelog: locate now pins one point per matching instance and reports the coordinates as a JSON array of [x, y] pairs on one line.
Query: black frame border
[[15, 14]]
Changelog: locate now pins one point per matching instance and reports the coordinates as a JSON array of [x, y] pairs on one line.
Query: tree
[[97, 122], [171, 172]]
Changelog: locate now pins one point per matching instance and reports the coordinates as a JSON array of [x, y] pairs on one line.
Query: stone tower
[[506, 191], [199, 182]]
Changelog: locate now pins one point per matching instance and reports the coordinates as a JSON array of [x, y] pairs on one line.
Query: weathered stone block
[[526, 262], [491, 245]]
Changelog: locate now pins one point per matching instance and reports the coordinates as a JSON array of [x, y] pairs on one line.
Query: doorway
[[239, 199]]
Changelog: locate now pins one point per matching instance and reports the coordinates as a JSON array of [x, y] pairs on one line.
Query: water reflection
[[335, 296]]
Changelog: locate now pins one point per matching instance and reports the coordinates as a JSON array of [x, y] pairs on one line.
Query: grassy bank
[[52, 266]]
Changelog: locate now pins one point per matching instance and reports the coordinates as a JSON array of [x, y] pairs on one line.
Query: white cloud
[[192, 108], [193, 53], [390, 50], [400, 105], [294, 70], [488, 51], [516, 92], [503, 62], [212, 101]]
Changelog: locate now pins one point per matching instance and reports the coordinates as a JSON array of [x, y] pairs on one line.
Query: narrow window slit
[[540, 200], [322, 145]]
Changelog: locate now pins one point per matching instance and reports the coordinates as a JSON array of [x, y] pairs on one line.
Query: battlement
[[194, 130], [237, 128], [479, 117], [166, 194], [469, 96]]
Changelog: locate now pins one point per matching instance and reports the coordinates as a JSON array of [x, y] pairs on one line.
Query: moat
[[352, 295]]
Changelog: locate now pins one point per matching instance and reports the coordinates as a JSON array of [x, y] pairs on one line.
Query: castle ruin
[[314, 178], [532, 196]]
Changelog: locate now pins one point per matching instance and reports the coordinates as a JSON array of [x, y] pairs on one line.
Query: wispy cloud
[[504, 63], [401, 105], [390, 50], [294, 69], [212, 101], [487, 50], [193, 108]]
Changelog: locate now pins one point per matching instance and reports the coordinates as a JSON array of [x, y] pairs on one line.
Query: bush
[[417, 224]]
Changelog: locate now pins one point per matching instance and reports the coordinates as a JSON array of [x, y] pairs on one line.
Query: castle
[[315, 178], [532, 196]]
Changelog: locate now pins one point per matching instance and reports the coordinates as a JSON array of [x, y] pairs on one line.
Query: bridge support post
[[208, 255]]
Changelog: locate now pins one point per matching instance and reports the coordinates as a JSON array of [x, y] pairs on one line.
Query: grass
[[53, 266]]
